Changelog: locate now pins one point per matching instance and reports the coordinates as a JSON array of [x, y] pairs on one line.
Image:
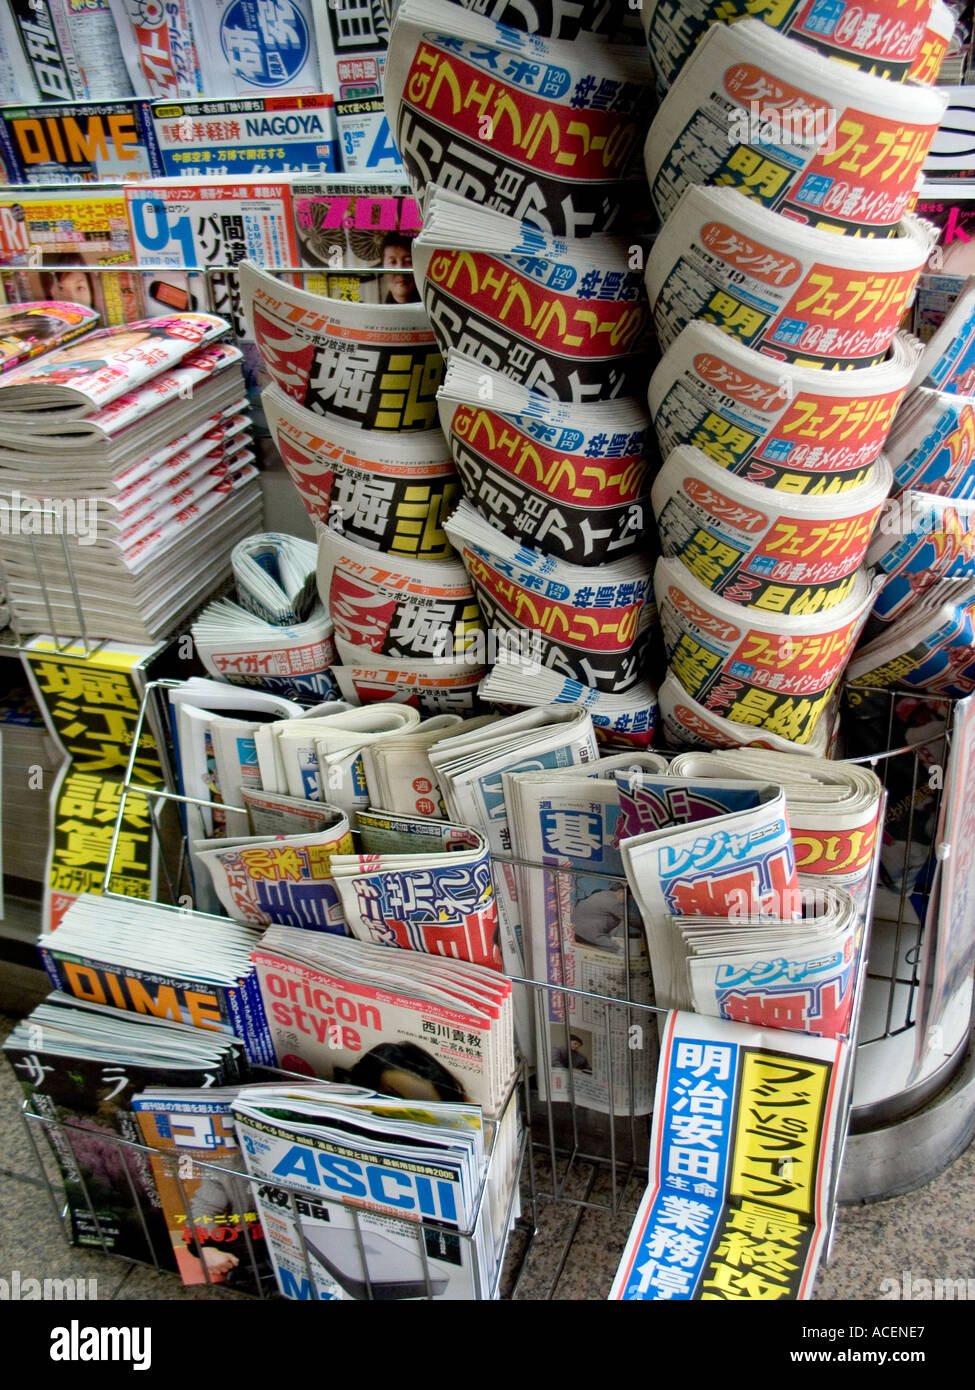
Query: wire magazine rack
[[583, 1170]]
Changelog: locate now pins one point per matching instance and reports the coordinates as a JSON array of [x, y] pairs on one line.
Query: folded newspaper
[[687, 724], [784, 426], [420, 885], [883, 37], [540, 128], [582, 929], [275, 576], [294, 661], [921, 540], [396, 606], [398, 770], [930, 647], [798, 293], [765, 549], [931, 445], [722, 850], [751, 667], [592, 624], [574, 486], [384, 492], [833, 809], [620, 721], [821, 142], [285, 879], [723, 1217], [567, 318], [374, 365]]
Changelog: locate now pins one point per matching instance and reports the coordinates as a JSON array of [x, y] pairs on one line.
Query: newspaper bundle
[[922, 540], [384, 1199], [383, 492], [294, 661], [396, 606], [398, 769], [470, 768], [808, 137], [539, 128], [374, 365], [591, 624], [582, 930], [420, 885], [833, 809], [567, 318], [352, 1011], [799, 976], [931, 446], [766, 549], [796, 292], [883, 37], [705, 861], [436, 686], [938, 35], [722, 1216], [626, 720], [930, 647], [787, 427], [286, 879], [275, 576], [749, 666], [686, 724], [574, 485]]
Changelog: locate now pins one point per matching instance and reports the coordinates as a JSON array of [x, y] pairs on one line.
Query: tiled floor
[[926, 1234]]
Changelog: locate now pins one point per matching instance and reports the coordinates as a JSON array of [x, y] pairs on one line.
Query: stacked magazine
[[367, 1197], [412, 1024], [26, 330], [127, 477], [80, 1061], [165, 961]]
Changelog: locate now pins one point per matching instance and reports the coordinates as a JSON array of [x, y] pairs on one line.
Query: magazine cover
[[79, 142], [73, 50], [255, 49], [258, 135], [159, 47], [215, 1232], [26, 330]]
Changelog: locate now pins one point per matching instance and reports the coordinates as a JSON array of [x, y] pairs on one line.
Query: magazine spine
[[11, 159], [143, 111]]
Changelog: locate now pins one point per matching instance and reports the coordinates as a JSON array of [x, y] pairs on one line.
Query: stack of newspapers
[[776, 286], [921, 629], [126, 478]]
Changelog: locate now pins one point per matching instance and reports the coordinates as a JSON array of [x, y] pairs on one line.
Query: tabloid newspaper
[[765, 549], [420, 885], [160, 47], [921, 541], [592, 623], [799, 293], [751, 667], [884, 37], [781, 425], [567, 318], [948, 361], [384, 491], [721, 1219], [621, 720], [582, 929], [374, 365], [574, 482], [849, 161], [931, 446], [285, 879], [294, 661], [564, 119], [73, 50]]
